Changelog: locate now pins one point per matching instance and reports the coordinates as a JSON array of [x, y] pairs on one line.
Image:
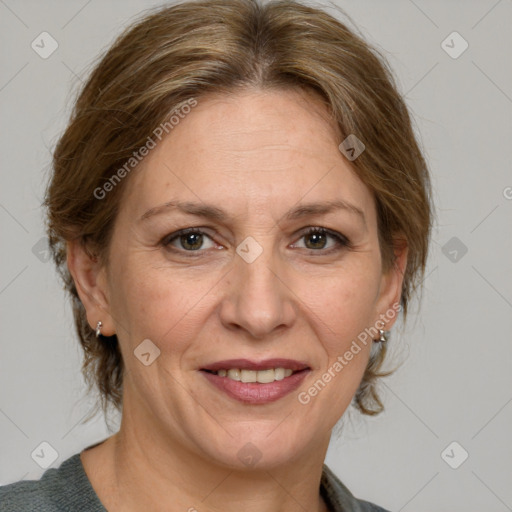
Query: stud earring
[[98, 329], [383, 336]]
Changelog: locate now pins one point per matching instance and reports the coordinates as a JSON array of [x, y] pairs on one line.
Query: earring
[[383, 336], [98, 329]]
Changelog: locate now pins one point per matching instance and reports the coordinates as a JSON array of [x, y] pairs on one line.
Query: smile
[[261, 376], [256, 382]]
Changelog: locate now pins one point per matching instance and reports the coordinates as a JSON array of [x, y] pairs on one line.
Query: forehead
[[249, 151]]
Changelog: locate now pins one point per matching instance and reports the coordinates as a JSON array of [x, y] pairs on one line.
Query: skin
[[256, 154]]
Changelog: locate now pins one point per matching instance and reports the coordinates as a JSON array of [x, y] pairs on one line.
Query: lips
[[246, 364], [256, 382]]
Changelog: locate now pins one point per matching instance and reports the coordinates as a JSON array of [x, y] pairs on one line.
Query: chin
[[260, 449]]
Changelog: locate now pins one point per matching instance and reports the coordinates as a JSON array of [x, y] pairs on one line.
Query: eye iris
[[316, 237], [196, 240]]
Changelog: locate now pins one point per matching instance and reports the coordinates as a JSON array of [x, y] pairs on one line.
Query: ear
[[91, 283], [390, 291]]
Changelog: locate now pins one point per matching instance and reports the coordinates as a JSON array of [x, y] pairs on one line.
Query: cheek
[[158, 303], [344, 303], [343, 313], [167, 304]]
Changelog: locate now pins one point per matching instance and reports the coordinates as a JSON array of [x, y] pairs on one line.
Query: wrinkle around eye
[[341, 242]]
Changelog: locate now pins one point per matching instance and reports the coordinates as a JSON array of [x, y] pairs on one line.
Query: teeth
[[265, 376], [260, 376], [279, 373], [234, 374], [248, 375]]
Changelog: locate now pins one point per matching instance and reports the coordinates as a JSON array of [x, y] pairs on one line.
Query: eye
[[188, 240], [192, 240], [317, 240]]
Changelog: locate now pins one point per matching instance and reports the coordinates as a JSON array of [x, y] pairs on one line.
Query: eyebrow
[[218, 214]]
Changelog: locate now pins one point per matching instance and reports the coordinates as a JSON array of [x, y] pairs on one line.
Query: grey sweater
[[68, 489]]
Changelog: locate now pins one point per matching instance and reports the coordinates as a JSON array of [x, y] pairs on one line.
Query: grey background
[[455, 383]]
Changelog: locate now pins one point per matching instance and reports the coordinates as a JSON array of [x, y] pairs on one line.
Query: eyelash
[[342, 242]]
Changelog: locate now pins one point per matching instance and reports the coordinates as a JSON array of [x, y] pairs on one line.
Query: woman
[[239, 210]]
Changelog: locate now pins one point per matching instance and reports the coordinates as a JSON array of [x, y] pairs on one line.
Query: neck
[[145, 469]]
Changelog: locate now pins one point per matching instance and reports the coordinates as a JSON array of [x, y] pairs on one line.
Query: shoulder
[[60, 489], [340, 499], [23, 495], [30, 494]]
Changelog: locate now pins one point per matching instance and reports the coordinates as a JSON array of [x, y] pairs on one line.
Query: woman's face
[[247, 282]]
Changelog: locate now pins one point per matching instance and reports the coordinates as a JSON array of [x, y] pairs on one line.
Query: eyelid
[[167, 239], [327, 231], [341, 241]]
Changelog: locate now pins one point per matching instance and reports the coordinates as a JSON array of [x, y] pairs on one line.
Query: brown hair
[[192, 48]]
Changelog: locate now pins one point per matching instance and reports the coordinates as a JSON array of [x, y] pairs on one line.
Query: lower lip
[[255, 393]]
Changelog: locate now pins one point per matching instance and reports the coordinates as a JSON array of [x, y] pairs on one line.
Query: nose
[[259, 298]]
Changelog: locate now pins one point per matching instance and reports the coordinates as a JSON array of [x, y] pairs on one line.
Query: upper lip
[[247, 364]]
